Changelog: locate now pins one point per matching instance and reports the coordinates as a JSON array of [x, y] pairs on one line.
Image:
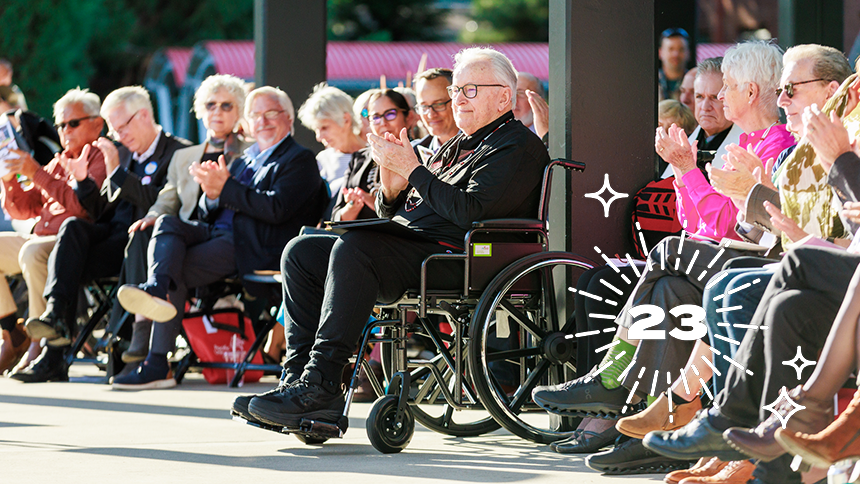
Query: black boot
[[49, 366]]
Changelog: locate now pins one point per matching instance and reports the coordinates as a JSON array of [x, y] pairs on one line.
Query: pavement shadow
[[117, 406]]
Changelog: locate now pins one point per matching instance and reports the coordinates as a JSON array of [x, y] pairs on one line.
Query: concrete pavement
[[82, 431]]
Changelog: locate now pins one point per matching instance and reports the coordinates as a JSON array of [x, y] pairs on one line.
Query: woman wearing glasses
[[219, 103], [388, 112], [328, 113]]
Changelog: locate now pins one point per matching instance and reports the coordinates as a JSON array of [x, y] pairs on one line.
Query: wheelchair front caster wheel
[[388, 429], [310, 439]]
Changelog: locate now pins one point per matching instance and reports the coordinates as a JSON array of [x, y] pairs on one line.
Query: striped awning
[[233, 57], [179, 58], [706, 51]]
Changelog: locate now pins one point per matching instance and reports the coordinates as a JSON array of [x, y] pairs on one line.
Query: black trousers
[[798, 307], [332, 283], [185, 255], [84, 251], [585, 307], [134, 271]]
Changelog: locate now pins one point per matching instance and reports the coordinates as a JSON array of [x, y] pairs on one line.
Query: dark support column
[[811, 22], [603, 101], [290, 41]]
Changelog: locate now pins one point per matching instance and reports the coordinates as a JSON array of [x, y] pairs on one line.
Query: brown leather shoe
[[13, 347], [735, 472], [759, 443], [839, 440], [657, 417], [706, 467]]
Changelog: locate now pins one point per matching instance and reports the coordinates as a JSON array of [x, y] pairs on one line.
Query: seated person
[[532, 119], [88, 248], [389, 113], [328, 113], [219, 102], [53, 200], [491, 169], [670, 111], [247, 214], [434, 108]]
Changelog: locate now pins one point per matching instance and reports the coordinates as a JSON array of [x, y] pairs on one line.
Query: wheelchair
[[507, 334]]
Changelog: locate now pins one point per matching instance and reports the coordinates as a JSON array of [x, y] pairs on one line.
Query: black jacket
[[494, 173], [286, 193], [363, 173], [124, 197]]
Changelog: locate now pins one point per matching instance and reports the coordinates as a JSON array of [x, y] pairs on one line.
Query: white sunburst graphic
[[714, 276]]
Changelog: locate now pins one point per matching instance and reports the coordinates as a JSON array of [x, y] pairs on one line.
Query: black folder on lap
[[383, 225]]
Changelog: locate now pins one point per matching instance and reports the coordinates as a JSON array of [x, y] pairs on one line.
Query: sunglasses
[[226, 107], [270, 115], [73, 123], [389, 115], [789, 88], [675, 32], [426, 108]]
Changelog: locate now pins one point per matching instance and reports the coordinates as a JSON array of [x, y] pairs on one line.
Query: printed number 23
[[655, 315]]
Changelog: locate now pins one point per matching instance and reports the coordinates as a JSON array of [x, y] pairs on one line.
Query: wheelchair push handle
[[568, 164], [547, 182]]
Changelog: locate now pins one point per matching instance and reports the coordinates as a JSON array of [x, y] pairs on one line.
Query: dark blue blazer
[[285, 194]]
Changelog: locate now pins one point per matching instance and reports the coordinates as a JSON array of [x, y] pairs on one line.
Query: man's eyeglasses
[[789, 88], [73, 123], [469, 90], [270, 115], [425, 108], [226, 107], [389, 115], [116, 133]]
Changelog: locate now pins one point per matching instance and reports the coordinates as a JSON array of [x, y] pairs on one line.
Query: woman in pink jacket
[[751, 73]]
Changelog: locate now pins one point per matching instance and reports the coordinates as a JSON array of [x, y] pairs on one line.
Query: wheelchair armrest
[[509, 223]]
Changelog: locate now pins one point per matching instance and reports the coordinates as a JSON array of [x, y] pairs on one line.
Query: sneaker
[[147, 377], [49, 366], [308, 399], [144, 301], [584, 396], [241, 403]]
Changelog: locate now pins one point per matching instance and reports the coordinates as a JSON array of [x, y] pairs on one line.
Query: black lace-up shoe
[[51, 326], [310, 398], [49, 366], [632, 457], [241, 403], [583, 397]]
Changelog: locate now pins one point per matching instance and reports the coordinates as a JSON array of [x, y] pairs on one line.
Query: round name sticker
[[145, 180], [150, 168]]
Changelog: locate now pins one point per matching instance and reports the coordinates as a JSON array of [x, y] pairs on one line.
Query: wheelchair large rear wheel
[[429, 405], [519, 340]]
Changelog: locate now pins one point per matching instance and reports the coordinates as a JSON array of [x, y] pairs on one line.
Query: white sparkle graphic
[[795, 407], [606, 202], [803, 362]]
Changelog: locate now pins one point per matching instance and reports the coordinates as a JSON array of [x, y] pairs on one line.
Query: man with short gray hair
[[136, 171], [491, 169]]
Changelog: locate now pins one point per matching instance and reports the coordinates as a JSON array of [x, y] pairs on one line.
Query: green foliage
[[509, 21], [382, 20], [56, 45]]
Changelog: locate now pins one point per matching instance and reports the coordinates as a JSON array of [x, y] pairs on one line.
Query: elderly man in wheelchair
[[492, 169]]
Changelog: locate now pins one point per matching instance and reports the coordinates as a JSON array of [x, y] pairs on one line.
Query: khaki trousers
[[27, 255]]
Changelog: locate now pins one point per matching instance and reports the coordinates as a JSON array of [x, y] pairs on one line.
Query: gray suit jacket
[[180, 193]]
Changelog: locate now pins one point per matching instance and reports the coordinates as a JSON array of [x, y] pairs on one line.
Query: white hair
[[212, 84], [274, 93], [758, 62], [502, 68], [327, 102], [89, 102], [133, 98]]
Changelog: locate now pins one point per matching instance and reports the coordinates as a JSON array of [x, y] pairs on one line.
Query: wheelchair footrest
[[311, 428]]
